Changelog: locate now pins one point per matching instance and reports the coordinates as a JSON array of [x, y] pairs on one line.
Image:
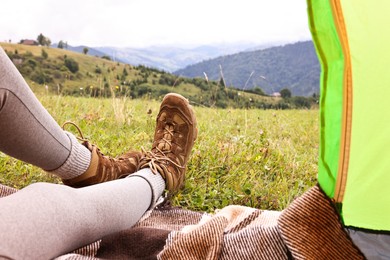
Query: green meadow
[[252, 157]]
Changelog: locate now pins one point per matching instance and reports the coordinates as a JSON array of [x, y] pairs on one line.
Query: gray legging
[[45, 220]]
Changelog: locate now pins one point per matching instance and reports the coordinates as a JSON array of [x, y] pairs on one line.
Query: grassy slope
[[87, 64], [87, 77], [257, 158]]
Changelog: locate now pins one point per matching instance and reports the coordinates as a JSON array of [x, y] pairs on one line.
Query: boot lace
[[157, 158]]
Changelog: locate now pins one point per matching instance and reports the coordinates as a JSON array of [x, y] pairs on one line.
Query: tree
[[125, 73], [43, 40], [222, 84], [285, 93], [47, 42], [40, 39], [60, 44], [85, 50]]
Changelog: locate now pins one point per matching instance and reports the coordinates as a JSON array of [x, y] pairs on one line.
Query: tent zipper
[[345, 139]]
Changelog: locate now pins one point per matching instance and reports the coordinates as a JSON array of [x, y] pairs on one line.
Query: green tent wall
[[352, 39]]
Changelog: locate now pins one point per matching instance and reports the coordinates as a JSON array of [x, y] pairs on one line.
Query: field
[[258, 158]]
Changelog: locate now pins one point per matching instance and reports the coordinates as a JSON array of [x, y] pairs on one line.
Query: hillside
[[59, 71], [293, 66], [67, 72]]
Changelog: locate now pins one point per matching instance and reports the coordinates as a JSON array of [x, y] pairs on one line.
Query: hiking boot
[[104, 168], [174, 138]]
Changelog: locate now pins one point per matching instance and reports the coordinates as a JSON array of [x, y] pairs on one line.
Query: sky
[[145, 23]]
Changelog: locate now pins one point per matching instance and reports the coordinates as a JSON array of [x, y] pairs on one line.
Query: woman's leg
[[29, 133], [45, 220]]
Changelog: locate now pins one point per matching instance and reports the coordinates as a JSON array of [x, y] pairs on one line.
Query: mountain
[[169, 58], [243, 65], [293, 66], [91, 51]]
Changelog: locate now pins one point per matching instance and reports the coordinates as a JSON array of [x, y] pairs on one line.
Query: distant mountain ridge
[[170, 58], [246, 66], [79, 49], [293, 66], [167, 58]]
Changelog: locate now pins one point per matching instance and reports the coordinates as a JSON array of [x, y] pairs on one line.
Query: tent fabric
[[351, 39], [331, 57]]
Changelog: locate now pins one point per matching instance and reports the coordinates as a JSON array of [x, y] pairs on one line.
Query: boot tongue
[[178, 120], [166, 142], [163, 146]]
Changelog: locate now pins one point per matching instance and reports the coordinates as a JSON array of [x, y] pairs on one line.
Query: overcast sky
[[143, 23]]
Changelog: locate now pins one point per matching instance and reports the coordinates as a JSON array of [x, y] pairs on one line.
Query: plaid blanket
[[308, 229]]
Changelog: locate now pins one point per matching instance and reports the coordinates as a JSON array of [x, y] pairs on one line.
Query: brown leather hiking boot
[[174, 138], [104, 168]]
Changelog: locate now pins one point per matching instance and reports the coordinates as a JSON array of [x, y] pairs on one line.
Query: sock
[[77, 163], [156, 182]]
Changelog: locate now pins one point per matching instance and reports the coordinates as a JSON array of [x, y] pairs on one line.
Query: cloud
[[154, 22]]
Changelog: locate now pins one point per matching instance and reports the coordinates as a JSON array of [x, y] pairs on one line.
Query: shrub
[[72, 65], [98, 70], [57, 74], [32, 63], [285, 93], [44, 54], [40, 77], [301, 102]]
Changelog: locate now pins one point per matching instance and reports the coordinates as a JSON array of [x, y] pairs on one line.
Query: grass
[[257, 158]]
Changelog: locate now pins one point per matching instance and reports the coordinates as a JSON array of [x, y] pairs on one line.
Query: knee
[[4, 96], [47, 189]]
